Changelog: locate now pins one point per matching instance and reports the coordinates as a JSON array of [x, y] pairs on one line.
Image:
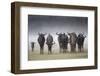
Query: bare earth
[[54, 56]]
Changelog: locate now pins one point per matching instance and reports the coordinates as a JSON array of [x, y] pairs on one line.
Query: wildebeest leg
[[60, 48], [79, 48], [60, 51], [72, 48], [41, 49], [49, 49], [67, 48], [64, 50], [32, 49], [82, 47]]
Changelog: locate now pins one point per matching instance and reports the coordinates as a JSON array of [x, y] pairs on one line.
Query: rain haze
[[53, 24]]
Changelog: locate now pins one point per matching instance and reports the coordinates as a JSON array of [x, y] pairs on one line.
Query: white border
[[25, 64]]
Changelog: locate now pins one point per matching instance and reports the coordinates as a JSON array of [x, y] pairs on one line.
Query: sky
[[53, 24]]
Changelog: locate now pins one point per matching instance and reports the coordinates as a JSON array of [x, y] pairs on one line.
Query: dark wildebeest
[[41, 41], [32, 45], [63, 41], [60, 41], [80, 41], [73, 38], [49, 42], [64, 38]]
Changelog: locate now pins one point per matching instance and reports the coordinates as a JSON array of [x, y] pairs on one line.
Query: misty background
[[53, 24]]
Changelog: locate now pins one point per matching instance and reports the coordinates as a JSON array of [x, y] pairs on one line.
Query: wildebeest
[[63, 41], [32, 45], [49, 42], [41, 41], [60, 41], [73, 38], [80, 41]]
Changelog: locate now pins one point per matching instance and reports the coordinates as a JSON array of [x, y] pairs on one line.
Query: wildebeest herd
[[63, 40]]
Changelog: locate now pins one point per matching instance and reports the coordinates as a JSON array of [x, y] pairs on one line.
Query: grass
[[69, 55]]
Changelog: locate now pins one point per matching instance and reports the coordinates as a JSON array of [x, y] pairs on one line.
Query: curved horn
[[57, 33], [68, 33]]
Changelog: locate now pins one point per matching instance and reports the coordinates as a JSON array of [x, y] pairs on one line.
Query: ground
[[46, 56]]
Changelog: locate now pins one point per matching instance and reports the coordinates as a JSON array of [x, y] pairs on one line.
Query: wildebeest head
[[49, 39], [81, 35], [72, 34], [59, 34], [59, 37], [80, 38], [41, 39], [41, 34]]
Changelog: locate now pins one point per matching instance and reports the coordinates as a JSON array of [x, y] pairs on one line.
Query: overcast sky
[[53, 24]]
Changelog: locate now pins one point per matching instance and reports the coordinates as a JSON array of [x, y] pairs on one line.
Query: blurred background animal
[[32, 45]]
